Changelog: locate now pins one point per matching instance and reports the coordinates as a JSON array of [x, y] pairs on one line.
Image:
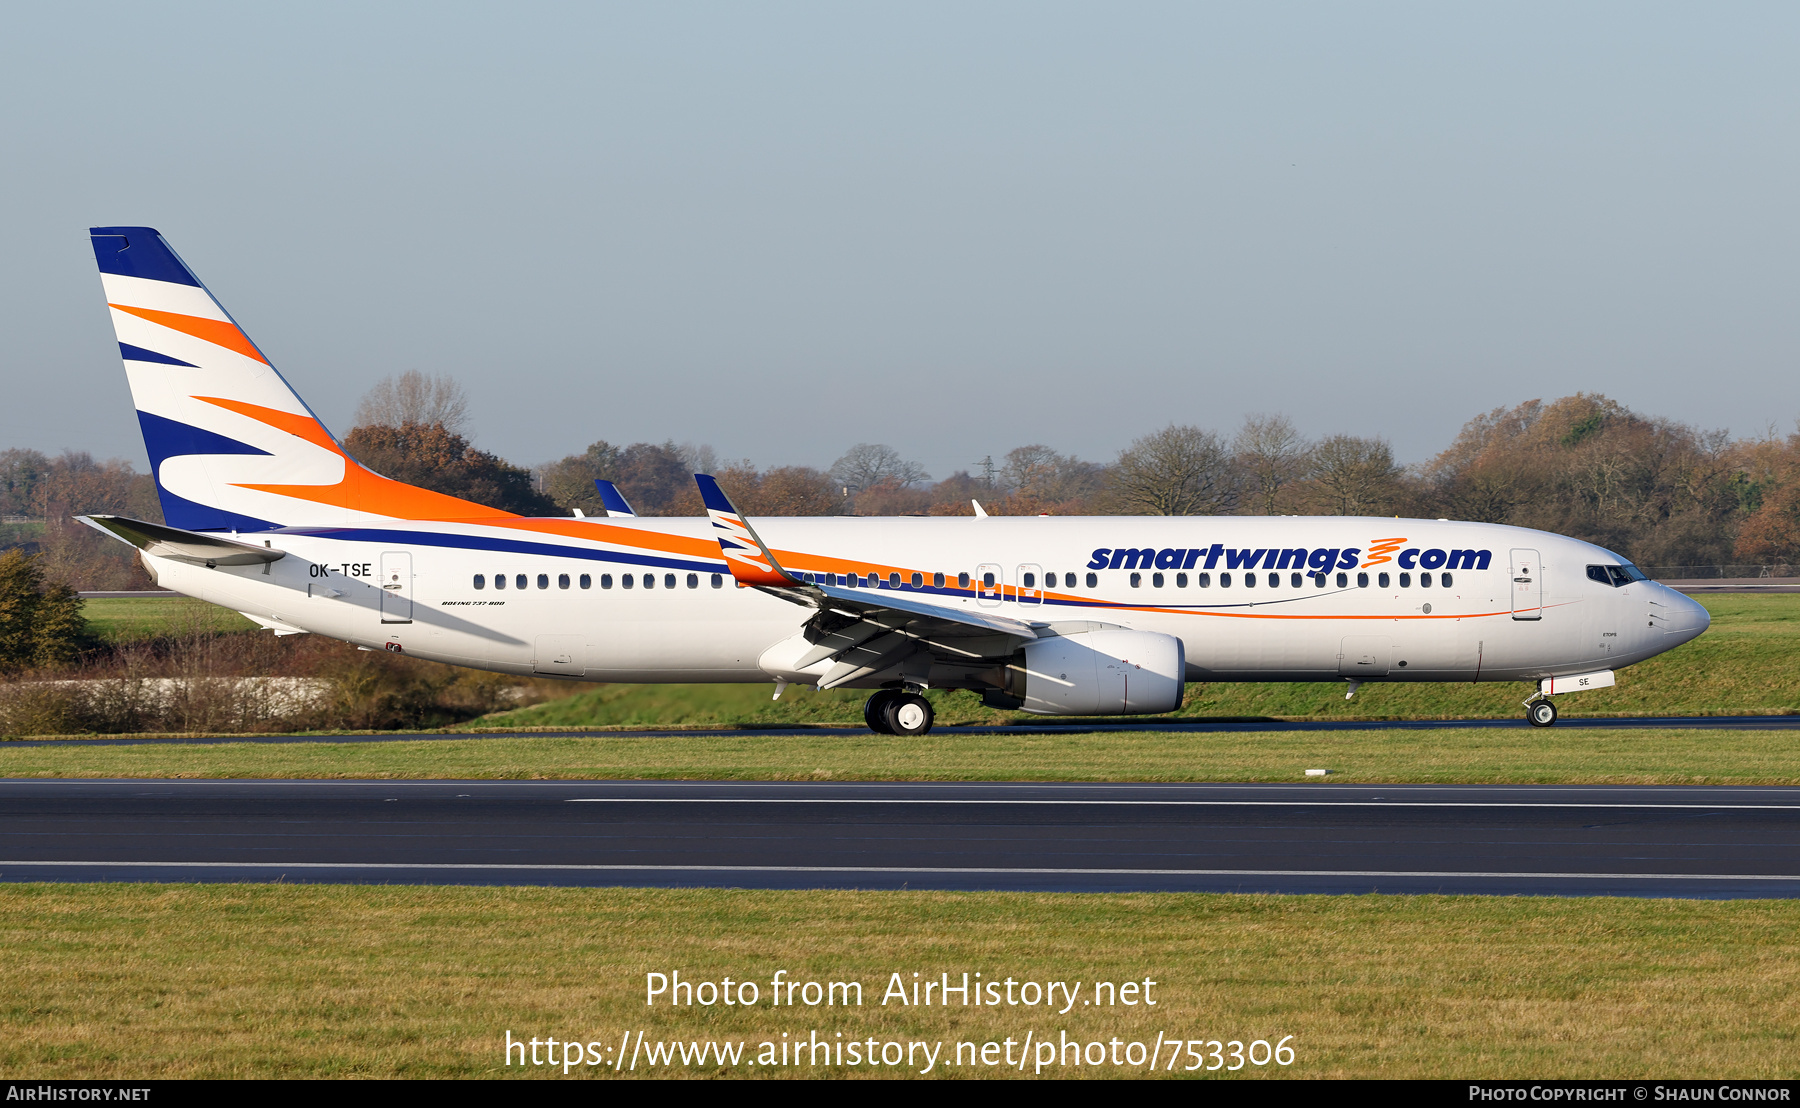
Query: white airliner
[[267, 515]]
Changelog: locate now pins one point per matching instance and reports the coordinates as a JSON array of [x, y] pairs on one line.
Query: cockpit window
[[1616, 576]]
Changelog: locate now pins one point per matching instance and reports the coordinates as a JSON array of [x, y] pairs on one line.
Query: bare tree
[[1177, 471], [1355, 476], [570, 481], [867, 465], [1041, 474], [415, 397], [1271, 455]]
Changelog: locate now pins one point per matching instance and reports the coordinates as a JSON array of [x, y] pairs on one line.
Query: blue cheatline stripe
[[504, 546], [549, 550], [138, 252], [138, 354]]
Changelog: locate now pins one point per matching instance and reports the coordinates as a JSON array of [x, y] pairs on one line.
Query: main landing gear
[[1541, 713], [898, 712]]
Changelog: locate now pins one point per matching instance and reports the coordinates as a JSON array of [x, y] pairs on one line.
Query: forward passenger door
[[1527, 585]]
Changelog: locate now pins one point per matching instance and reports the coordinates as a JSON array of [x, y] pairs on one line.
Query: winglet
[[612, 499], [750, 561]]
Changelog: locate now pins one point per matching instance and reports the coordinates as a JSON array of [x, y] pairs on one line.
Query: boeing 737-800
[[266, 514]]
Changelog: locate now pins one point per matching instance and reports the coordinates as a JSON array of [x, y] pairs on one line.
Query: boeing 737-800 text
[[265, 513]]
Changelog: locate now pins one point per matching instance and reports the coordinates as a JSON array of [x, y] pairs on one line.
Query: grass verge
[[1454, 755], [1747, 664], [137, 981]]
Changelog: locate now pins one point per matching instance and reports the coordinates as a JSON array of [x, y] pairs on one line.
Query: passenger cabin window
[[937, 580], [962, 580], [1029, 581], [693, 580], [1444, 579], [481, 581], [668, 580], [893, 580], [918, 580], [718, 581], [587, 581], [520, 580], [562, 580], [1424, 580], [1343, 581], [1274, 580], [1156, 579], [606, 580], [987, 580], [1406, 580], [649, 580], [1181, 580], [1382, 580], [1137, 580], [626, 580], [543, 581], [1093, 580], [1224, 580], [1249, 580], [1362, 580], [1294, 581], [1204, 580], [1318, 580], [499, 580]]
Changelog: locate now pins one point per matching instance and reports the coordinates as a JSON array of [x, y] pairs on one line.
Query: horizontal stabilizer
[[173, 543]]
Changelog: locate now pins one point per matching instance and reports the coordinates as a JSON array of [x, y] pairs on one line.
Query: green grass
[[1470, 755], [133, 619], [139, 981], [1747, 664]]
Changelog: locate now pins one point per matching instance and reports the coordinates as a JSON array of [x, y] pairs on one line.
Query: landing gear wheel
[[1541, 713], [909, 714], [875, 711]]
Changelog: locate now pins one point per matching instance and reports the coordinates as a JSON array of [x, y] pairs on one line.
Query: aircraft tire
[[875, 712], [1541, 713], [909, 714]]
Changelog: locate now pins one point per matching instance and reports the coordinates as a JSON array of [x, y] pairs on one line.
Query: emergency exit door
[[1527, 585], [396, 586]]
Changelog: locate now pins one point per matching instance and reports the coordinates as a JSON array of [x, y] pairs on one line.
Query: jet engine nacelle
[[1107, 672]]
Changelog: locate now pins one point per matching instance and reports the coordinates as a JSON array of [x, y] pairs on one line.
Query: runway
[[1507, 840], [1197, 726]]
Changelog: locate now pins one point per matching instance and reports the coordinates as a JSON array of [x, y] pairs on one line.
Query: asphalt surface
[[1705, 723], [1320, 838]]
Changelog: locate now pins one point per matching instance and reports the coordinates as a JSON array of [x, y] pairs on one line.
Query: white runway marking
[[1179, 803], [954, 870]]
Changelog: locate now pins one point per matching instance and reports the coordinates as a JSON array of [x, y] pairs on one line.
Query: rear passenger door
[[396, 586]]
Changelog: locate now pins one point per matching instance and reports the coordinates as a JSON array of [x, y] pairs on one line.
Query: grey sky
[[784, 229]]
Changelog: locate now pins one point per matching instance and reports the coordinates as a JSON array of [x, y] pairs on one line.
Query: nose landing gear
[[898, 712], [1541, 713]]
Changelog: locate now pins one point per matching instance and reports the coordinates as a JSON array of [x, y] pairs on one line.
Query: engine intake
[[1093, 673]]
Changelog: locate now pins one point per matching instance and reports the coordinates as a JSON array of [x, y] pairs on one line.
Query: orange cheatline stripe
[[216, 331], [599, 531], [359, 490]]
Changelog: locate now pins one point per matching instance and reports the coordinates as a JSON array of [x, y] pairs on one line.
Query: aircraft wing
[[862, 630], [193, 547]]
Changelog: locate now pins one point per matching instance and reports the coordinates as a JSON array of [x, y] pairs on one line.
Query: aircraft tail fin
[[232, 446]]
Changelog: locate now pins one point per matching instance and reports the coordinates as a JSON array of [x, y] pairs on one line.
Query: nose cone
[[1688, 619]]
